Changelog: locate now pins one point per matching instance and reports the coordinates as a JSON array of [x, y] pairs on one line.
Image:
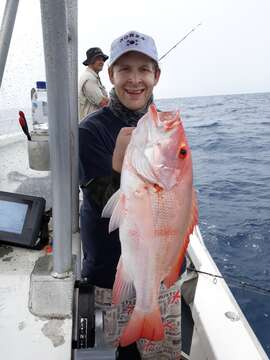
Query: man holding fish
[[136, 175]]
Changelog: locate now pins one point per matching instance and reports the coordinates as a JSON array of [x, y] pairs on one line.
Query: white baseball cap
[[133, 41]]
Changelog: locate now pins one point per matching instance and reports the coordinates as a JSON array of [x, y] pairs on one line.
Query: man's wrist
[[116, 163], [116, 166]]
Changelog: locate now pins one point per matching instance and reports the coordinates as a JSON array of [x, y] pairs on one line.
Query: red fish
[[156, 211]]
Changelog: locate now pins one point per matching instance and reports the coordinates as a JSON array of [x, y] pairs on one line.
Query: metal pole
[[72, 19], [55, 38], [72, 12], [6, 32]]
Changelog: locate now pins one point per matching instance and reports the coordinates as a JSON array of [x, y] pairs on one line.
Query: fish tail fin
[[143, 325]]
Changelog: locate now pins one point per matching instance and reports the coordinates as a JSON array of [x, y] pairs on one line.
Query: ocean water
[[230, 141]]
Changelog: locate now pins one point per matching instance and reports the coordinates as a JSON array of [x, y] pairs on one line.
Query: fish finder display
[[12, 216], [21, 219]]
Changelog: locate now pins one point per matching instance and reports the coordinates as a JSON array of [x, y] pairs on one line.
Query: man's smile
[[134, 92]]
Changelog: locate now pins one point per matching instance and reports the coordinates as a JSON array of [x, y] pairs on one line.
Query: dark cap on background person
[[92, 54], [133, 41]]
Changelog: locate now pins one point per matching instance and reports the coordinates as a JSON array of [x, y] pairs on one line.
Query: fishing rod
[[235, 282], [183, 38]]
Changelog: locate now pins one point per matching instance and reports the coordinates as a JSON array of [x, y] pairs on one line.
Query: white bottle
[[40, 107]]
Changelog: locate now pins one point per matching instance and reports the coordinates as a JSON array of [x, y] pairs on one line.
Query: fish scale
[[162, 206]]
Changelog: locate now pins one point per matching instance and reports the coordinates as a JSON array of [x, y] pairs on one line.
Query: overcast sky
[[229, 53]]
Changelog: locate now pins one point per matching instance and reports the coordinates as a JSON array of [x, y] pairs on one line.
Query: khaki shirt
[[91, 92]]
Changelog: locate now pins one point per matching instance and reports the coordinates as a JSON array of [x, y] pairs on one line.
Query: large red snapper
[[156, 211]]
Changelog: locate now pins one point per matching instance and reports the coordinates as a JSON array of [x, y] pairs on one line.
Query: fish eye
[[182, 152]]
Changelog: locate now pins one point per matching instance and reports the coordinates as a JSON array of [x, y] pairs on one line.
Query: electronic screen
[[20, 218], [12, 216]]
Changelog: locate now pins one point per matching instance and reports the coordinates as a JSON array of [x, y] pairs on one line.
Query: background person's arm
[[94, 94], [104, 102]]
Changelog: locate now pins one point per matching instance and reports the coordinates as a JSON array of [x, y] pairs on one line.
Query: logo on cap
[[132, 39]]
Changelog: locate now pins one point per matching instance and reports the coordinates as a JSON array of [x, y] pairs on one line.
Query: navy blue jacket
[[97, 137]]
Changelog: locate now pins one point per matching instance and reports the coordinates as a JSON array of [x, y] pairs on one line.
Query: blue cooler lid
[[41, 84]]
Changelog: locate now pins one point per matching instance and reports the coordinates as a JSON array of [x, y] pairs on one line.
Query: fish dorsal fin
[[142, 166], [194, 218], [114, 209], [175, 270]]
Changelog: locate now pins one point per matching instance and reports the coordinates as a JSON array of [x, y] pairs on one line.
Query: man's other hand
[[122, 142]]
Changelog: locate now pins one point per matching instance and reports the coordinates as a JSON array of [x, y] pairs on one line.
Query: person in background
[[103, 138], [92, 94]]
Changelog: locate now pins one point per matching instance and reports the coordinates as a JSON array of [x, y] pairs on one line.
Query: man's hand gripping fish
[[156, 211]]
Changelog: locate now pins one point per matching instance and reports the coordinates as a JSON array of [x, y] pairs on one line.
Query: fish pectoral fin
[[123, 288], [174, 273], [114, 209], [143, 325], [142, 166]]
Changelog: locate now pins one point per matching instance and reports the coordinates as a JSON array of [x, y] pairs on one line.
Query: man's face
[[97, 66], [134, 76]]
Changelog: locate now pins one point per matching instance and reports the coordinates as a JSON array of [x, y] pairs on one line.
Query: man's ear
[[110, 73], [157, 76]]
